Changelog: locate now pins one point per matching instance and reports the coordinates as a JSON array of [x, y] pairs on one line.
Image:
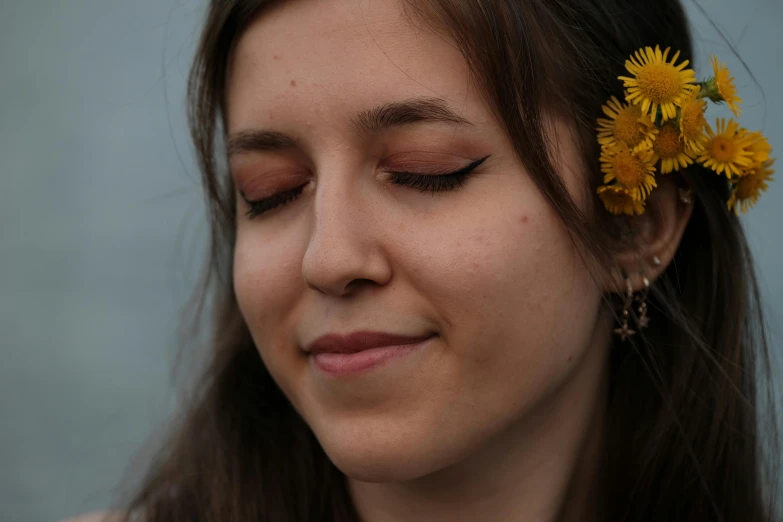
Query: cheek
[[265, 281], [510, 287]]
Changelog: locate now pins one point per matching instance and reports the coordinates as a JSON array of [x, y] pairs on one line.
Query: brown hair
[[683, 426]]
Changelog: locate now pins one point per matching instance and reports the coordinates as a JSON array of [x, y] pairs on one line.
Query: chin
[[384, 468], [384, 457]]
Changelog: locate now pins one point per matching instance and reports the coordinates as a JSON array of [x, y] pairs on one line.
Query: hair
[[684, 432]]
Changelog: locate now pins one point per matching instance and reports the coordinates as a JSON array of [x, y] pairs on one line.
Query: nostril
[[357, 284]]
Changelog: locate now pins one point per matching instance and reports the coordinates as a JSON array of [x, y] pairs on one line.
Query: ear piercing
[[625, 331], [641, 298], [643, 320]]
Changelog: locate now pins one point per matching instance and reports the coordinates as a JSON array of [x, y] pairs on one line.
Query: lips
[[360, 341]]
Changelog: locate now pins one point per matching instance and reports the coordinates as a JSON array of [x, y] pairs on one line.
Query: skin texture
[[497, 417]]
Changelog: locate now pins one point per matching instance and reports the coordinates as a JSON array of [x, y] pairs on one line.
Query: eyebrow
[[258, 141], [405, 112], [395, 114]]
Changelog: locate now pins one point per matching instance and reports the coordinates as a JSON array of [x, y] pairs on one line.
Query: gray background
[[102, 228]]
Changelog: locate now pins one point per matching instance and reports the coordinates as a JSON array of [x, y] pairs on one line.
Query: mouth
[[346, 359]]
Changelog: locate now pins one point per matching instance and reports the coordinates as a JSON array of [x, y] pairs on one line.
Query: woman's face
[[334, 97]]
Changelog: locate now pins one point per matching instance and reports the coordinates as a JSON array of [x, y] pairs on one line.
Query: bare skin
[[499, 416], [495, 417]]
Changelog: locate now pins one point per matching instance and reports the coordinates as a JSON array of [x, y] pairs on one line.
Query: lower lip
[[353, 363]]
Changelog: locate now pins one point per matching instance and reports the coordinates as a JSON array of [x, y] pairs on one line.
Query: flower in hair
[[626, 126], [693, 122], [721, 87], [726, 149], [759, 147], [747, 189], [657, 82], [619, 200], [661, 128], [670, 148], [632, 170]]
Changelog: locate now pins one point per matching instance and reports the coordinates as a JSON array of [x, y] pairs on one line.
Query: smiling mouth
[[353, 363]]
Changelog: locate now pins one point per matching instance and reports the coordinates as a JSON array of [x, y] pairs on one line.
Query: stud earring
[[685, 196], [625, 331], [656, 261]]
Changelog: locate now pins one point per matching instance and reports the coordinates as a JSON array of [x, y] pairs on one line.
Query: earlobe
[[657, 235]]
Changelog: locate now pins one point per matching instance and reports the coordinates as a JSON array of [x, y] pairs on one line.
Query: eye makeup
[[440, 182]]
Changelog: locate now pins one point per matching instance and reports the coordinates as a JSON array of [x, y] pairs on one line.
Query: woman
[[424, 175]]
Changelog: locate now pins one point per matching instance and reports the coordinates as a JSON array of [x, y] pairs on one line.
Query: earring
[[625, 331], [685, 196], [643, 320]]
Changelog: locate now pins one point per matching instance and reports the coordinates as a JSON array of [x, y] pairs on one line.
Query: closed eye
[[441, 182], [422, 182]]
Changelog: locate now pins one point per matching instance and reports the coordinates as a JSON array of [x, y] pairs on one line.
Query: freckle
[[570, 357], [276, 57], [293, 83], [271, 116]]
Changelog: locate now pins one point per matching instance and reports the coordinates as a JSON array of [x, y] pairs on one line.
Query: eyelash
[[423, 183]]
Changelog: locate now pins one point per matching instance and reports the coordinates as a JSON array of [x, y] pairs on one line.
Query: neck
[[542, 469]]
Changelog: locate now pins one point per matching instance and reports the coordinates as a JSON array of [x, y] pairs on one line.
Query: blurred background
[[102, 229]]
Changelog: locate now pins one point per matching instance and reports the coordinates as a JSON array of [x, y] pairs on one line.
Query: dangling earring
[[643, 320], [625, 331]]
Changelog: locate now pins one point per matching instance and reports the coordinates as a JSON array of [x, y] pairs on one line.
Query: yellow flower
[[725, 150], [747, 189], [759, 147], [626, 126], [692, 123], [724, 85], [657, 82], [670, 149], [633, 170], [619, 200]]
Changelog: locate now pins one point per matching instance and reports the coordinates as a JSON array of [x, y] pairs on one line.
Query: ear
[[656, 235]]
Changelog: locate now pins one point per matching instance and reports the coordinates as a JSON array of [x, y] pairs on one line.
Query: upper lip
[[358, 341]]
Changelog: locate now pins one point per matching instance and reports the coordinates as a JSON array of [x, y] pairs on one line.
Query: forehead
[[319, 62]]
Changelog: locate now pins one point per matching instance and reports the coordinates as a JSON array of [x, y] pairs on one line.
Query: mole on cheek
[[523, 219], [293, 83]]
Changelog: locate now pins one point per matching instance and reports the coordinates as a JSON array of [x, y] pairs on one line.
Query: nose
[[344, 249]]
